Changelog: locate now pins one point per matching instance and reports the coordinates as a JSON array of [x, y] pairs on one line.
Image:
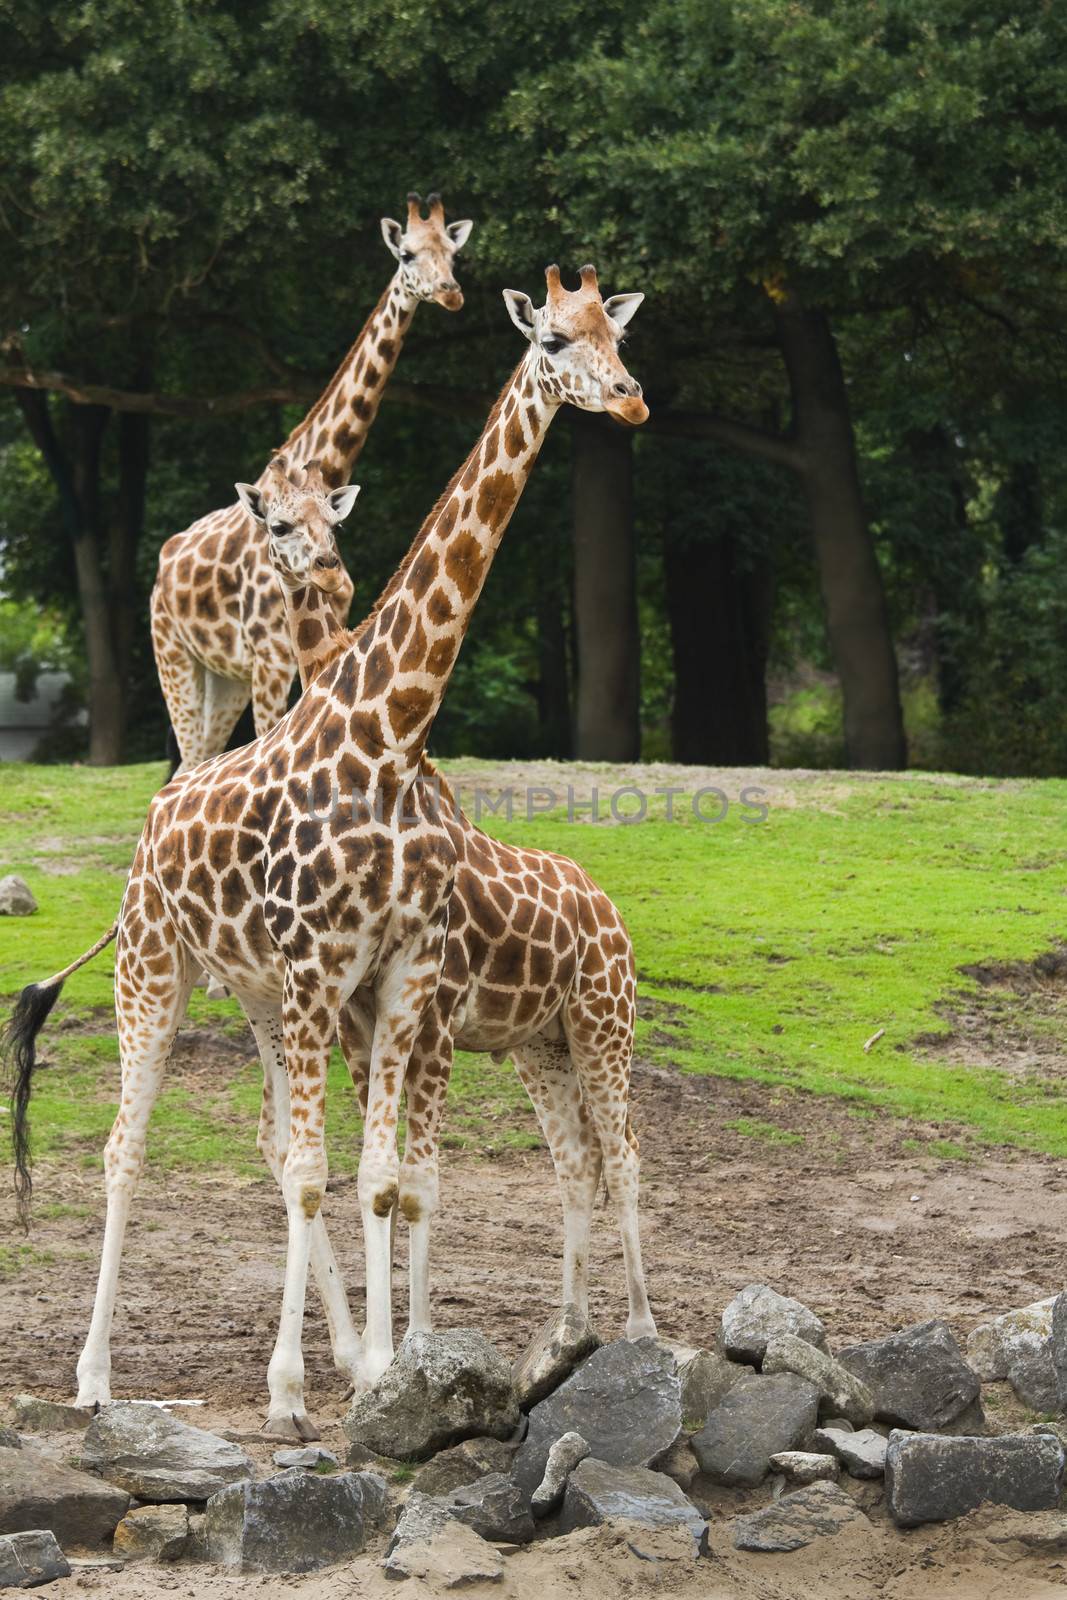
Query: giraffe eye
[[280, 529], [553, 345], [407, 255]]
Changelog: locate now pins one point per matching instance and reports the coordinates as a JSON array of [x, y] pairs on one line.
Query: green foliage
[[190, 205], [1013, 715]]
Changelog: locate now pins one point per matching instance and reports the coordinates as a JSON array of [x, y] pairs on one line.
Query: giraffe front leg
[[272, 1142], [427, 1084], [402, 994], [309, 1020]]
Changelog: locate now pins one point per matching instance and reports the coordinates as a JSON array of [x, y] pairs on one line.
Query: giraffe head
[[575, 338], [300, 512], [425, 249]]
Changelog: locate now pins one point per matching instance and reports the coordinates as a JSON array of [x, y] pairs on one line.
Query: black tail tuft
[[174, 755], [20, 1056]]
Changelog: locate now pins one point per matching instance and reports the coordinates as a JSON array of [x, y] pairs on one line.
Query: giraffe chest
[[223, 598]]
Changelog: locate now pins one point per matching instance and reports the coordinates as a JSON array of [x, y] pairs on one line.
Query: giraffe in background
[[218, 624]]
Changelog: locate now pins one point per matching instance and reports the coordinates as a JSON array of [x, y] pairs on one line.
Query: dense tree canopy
[[848, 218]]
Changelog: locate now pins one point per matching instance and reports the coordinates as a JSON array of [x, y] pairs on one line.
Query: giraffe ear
[[521, 311], [621, 307], [459, 233], [392, 233], [252, 500], [341, 501]]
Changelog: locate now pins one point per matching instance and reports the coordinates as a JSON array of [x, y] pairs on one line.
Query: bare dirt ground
[[853, 1219]]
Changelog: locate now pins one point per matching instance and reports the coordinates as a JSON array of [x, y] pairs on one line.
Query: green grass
[[774, 950], [768, 1132]]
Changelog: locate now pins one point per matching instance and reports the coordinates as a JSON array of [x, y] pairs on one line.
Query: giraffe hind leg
[[147, 1024], [182, 680], [551, 1080], [602, 1060]]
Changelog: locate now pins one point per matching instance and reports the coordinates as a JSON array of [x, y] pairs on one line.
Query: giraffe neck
[[336, 428], [395, 667], [317, 634]]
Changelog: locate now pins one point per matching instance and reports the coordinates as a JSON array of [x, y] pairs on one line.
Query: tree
[[844, 157]]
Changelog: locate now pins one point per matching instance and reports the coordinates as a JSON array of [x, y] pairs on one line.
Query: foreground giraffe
[[218, 624], [311, 868], [525, 927]]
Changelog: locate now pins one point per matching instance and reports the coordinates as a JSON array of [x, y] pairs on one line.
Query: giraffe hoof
[[290, 1427]]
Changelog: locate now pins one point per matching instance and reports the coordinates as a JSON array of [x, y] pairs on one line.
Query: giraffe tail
[[19, 1053]]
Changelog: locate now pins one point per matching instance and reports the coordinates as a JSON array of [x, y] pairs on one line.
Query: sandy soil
[[868, 1231]]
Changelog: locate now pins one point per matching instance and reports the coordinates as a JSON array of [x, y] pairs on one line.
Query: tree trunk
[[125, 532], [849, 575], [553, 684], [607, 713], [78, 487], [719, 618]]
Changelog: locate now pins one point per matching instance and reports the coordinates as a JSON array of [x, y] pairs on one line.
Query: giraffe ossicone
[[312, 915]]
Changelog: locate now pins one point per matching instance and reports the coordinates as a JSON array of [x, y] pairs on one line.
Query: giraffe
[[218, 629], [312, 867], [524, 927]]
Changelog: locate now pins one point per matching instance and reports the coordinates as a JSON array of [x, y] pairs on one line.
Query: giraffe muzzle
[[623, 400], [327, 574], [450, 295]]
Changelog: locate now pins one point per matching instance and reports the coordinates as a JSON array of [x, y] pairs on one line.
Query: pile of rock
[[575, 1435]]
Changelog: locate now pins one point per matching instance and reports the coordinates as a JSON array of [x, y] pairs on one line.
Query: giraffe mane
[[331, 388], [439, 505]]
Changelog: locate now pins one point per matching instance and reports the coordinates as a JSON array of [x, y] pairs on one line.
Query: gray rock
[[840, 1392], [296, 1521], [552, 1355], [196, 1546], [156, 1457], [679, 1463], [918, 1377], [9, 1439], [31, 1558], [1018, 1346], [1058, 1349], [309, 1456], [495, 1507], [990, 1346], [49, 1416], [465, 1463], [758, 1314], [430, 1544], [626, 1400], [37, 1493], [861, 1454], [563, 1457], [816, 1512], [1033, 1375], [706, 1376], [758, 1418], [153, 1533], [805, 1466], [933, 1478], [16, 897], [842, 1424], [597, 1492], [440, 1388]]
